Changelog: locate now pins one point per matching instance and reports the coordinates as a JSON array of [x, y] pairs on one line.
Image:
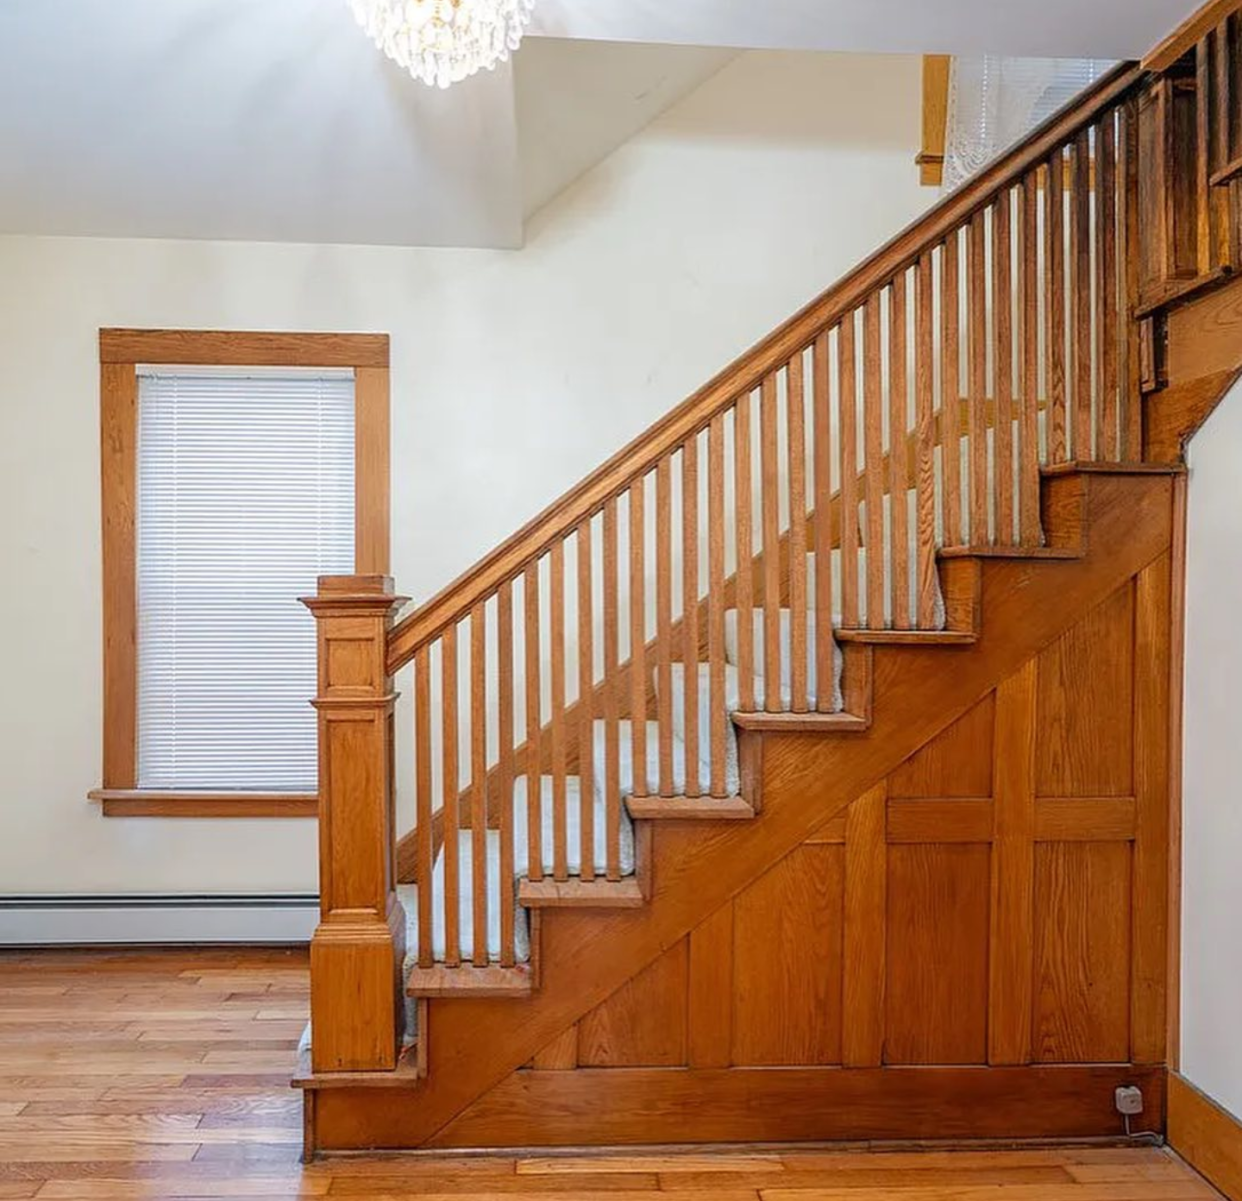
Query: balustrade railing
[[597, 655]]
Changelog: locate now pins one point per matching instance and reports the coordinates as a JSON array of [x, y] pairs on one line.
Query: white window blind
[[995, 101], [245, 495]]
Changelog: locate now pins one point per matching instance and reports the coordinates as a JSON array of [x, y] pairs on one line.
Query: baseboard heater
[[50, 919]]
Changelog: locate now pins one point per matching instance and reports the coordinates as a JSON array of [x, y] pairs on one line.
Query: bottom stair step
[[683, 808], [581, 894], [469, 981]]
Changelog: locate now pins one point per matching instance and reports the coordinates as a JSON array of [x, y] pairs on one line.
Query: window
[[975, 108], [236, 469], [245, 497]]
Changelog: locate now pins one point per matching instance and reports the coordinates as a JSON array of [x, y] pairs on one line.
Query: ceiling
[[277, 120], [1035, 28]]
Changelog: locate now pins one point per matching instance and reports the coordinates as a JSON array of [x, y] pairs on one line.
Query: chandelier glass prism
[[443, 41]]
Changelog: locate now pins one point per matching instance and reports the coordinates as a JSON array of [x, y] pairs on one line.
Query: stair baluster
[[957, 337]]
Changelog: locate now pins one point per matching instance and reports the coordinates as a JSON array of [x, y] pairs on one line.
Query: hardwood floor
[[149, 1074]]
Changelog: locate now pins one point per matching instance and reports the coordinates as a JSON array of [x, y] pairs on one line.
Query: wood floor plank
[[1191, 1190], [289, 1185], [600, 1182], [142, 1075], [560, 1165], [894, 1179]]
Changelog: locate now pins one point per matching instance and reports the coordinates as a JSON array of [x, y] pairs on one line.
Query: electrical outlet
[[1128, 1099]]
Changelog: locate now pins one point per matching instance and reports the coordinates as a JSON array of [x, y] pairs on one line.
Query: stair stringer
[[474, 1045]]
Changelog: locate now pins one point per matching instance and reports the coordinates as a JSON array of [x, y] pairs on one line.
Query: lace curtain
[[993, 102]]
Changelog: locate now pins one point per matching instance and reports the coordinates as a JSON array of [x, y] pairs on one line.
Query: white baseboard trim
[[61, 920]]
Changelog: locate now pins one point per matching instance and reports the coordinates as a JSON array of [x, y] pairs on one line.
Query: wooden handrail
[[407, 847], [478, 583], [1184, 38]]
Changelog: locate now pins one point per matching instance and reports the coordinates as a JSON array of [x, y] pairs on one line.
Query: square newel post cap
[[355, 591], [355, 585]]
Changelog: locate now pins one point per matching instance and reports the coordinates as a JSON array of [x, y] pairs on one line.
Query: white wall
[[1212, 801], [514, 373]]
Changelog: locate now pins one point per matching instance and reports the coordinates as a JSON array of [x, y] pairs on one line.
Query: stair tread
[[404, 1075], [683, 808], [1010, 552], [802, 723], [441, 980], [599, 893], [910, 637], [1099, 467]]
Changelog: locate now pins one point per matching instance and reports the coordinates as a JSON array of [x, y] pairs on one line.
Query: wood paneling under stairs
[[735, 1025], [982, 915]]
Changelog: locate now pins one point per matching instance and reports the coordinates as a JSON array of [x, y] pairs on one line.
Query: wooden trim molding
[[120, 352], [930, 159], [226, 348], [620, 1106], [1205, 1135], [118, 420], [1186, 36], [155, 802], [371, 470]]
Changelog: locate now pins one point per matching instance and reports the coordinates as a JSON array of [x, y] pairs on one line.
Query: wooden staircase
[[706, 812]]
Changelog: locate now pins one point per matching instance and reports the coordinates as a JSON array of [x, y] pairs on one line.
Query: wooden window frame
[[937, 69], [120, 353], [930, 159]]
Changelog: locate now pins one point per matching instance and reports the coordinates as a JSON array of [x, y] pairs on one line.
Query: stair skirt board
[[521, 864]]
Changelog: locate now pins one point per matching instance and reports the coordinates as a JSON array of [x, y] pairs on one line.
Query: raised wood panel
[[956, 763], [954, 819], [1082, 952], [1084, 712], [1156, 677], [643, 1024], [1205, 336], [937, 978], [1085, 819], [709, 1010], [561, 1054], [787, 956], [866, 907], [1010, 954]]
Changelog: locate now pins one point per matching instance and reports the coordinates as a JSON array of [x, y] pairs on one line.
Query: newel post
[[357, 1007]]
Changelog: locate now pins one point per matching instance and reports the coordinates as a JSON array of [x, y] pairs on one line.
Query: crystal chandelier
[[443, 41]]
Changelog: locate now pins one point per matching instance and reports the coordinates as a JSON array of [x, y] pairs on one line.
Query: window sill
[[138, 802]]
